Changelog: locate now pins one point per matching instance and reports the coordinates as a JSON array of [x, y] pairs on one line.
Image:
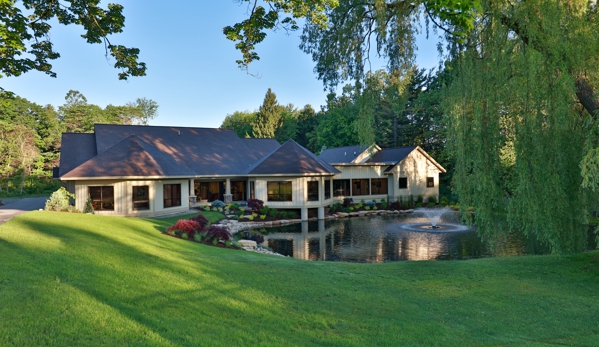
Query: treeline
[[30, 135], [386, 109]]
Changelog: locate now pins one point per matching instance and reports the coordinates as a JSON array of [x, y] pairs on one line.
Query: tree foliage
[[518, 96], [26, 38], [268, 117], [30, 135]]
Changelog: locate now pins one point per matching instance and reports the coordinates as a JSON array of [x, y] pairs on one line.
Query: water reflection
[[379, 239]]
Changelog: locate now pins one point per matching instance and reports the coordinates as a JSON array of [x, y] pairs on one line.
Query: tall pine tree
[[268, 117]]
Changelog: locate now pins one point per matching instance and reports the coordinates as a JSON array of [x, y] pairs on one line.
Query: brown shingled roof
[[130, 158], [76, 150], [291, 158], [206, 151]]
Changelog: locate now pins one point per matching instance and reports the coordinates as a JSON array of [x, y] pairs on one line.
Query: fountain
[[434, 216]]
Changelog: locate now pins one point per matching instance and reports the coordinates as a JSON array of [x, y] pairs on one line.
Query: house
[[132, 170], [396, 174]]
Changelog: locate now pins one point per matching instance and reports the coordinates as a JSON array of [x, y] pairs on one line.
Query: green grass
[[89, 280]]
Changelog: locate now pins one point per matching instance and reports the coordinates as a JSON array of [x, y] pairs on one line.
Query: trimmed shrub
[[347, 201], [444, 201], [239, 213], [263, 216], [255, 204], [291, 215], [186, 226], [201, 219], [273, 212], [218, 204], [216, 233], [367, 208], [59, 200], [431, 199], [89, 206], [264, 210], [234, 206], [184, 236], [345, 210], [283, 214]]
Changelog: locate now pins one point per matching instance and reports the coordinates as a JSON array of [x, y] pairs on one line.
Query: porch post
[[304, 214], [321, 213], [192, 193], [228, 196]]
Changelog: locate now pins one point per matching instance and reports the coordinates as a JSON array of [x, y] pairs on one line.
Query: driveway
[[15, 207]]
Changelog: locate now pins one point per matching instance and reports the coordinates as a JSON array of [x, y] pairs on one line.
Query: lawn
[[89, 280]]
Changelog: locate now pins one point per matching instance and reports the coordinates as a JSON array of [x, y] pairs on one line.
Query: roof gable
[[291, 158]]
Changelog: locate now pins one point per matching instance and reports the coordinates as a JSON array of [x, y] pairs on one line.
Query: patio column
[[192, 194], [321, 213], [304, 214], [228, 196]]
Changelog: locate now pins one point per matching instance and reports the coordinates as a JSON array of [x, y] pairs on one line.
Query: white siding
[[123, 199], [416, 167]]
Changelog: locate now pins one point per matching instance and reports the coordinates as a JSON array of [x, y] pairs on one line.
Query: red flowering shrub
[[187, 226], [217, 232], [203, 221], [255, 204]]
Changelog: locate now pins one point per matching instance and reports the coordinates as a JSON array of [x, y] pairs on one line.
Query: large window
[[238, 190], [360, 187], [141, 198], [378, 186], [313, 191], [430, 182], [279, 191], [403, 183], [172, 195], [327, 189], [341, 188], [102, 198]]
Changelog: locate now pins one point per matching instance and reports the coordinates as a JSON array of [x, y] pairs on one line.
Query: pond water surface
[[377, 239]]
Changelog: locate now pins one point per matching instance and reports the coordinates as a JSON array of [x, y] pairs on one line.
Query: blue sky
[[192, 72]]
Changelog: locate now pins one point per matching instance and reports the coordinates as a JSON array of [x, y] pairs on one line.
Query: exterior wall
[[416, 167], [299, 186], [123, 196]]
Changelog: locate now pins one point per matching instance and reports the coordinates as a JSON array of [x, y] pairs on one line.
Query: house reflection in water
[[361, 240]]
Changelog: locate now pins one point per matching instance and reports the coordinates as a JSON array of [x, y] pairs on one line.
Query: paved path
[[15, 207]]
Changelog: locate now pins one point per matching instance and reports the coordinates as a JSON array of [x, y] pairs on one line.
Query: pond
[[378, 239]]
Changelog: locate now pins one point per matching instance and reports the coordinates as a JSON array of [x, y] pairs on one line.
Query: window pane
[[141, 198], [327, 189], [102, 198], [360, 187], [403, 183], [378, 186], [172, 195], [430, 182], [313, 191], [341, 187], [279, 191]]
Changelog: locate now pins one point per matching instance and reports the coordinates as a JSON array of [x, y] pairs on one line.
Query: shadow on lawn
[[178, 295]]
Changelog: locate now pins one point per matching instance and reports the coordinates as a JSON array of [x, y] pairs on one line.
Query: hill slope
[[72, 279]]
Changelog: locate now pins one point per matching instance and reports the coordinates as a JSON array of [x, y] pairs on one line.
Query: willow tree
[[522, 107], [521, 121]]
